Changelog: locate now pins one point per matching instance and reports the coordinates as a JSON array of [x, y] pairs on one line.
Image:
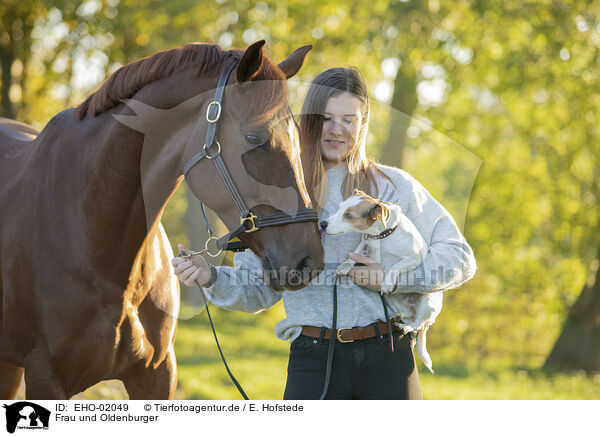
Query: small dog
[[390, 237]]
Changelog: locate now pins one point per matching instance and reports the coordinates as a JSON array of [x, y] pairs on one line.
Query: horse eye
[[254, 140]]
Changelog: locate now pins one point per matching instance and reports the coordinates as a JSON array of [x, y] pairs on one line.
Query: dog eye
[[348, 216]]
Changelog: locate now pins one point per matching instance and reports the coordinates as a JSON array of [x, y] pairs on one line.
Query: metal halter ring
[[216, 118], [212, 156], [188, 254], [220, 250]]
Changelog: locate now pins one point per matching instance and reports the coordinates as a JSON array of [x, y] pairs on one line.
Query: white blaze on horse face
[[291, 131], [296, 161]]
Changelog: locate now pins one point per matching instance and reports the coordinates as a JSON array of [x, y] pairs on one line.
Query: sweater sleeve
[[242, 287], [450, 261]]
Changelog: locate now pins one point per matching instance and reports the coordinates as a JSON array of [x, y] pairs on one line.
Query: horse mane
[[130, 78]]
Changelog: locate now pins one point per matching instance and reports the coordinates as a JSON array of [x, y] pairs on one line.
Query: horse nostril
[[323, 225], [306, 264]]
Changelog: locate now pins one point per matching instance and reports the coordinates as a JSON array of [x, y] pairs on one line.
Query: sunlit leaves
[[510, 85]]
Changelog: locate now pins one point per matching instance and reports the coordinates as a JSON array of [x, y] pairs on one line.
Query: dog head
[[358, 213]]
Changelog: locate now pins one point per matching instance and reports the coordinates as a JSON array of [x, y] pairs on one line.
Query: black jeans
[[361, 370]]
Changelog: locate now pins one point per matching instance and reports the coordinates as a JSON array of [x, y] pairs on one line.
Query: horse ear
[[291, 65], [251, 62]]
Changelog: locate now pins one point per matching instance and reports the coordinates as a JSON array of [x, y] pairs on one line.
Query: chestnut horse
[[87, 291]]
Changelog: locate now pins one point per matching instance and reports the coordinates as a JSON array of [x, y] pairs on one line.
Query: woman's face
[[341, 125]]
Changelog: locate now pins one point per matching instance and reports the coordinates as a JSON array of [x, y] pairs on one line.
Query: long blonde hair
[[361, 169]]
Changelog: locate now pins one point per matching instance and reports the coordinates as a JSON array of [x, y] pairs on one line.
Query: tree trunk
[[404, 103], [7, 57], [578, 346]]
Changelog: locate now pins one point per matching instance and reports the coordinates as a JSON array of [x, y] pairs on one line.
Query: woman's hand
[[370, 275], [191, 268]]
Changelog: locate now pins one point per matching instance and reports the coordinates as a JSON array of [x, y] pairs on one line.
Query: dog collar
[[383, 234]]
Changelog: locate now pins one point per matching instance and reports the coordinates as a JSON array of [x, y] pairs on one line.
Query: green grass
[[508, 384], [259, 361]]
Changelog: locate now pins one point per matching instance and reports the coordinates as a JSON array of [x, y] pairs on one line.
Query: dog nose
[[323, 225]]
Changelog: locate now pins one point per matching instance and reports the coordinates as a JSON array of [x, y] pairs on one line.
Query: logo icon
[[26, 415]]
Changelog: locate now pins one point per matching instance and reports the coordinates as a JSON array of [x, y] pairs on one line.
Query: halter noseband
[[249, 222]]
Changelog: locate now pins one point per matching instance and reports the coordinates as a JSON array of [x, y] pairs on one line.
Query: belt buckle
[[338, 336]]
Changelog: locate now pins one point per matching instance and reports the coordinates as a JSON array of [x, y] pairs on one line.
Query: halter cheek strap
[[213, 114]]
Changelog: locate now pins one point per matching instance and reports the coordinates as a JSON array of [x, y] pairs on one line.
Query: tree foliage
[[494, 109]]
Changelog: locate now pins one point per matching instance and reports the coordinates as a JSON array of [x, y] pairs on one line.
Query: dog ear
[[380, 211]]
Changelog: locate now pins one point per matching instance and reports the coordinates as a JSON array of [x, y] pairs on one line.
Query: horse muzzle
[[289, 279]]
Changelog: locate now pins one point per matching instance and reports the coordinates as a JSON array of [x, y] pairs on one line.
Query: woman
[[333, 130]]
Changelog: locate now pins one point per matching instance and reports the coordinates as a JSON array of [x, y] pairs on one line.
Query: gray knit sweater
[[448, 264]]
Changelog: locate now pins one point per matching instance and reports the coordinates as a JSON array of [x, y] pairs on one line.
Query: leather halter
[[212, 151]]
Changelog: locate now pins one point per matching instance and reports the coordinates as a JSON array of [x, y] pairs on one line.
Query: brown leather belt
[[344, 335]]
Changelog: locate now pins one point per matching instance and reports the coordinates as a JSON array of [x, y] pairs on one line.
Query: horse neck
[[131, 175], [122, 199], [113, 204]]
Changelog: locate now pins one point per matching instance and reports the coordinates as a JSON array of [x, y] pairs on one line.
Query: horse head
[[259, 143]]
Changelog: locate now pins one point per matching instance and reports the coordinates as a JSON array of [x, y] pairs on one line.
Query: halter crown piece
[[212, 151]]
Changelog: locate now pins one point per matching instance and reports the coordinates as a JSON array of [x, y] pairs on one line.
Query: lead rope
[[331, 342], [233, 379], [333, 337], [205, 218], [389, 323]]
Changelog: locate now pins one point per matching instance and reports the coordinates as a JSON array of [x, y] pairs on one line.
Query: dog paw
[[386, 288], [405, 327], [390, 282], [344, 268]]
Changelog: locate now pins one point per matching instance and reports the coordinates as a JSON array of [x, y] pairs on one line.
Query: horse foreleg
[[41, 381], [40, 385], [10, 380], [147, 383]]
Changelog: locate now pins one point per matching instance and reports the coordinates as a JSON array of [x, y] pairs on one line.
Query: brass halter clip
[[252, 220]]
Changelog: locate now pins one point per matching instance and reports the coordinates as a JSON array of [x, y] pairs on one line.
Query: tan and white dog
[[391, 238]]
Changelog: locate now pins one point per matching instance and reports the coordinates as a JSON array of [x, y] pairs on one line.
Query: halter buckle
[[252, 220], [217, 116]]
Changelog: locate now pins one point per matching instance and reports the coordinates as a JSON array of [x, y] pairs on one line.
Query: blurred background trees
[[492, 105]]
